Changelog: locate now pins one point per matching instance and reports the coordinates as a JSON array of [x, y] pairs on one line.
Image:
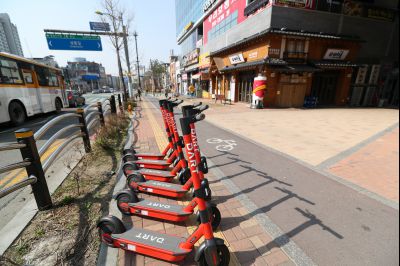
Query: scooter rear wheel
[[132, 181], [123, 200], [129, 157], [110, 226], [129, 167], [223, 255]]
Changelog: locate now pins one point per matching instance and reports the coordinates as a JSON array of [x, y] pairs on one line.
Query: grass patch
[[67, 233]]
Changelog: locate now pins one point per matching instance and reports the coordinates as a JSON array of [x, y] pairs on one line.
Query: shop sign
[[373, 78], [379, 13], [253, 55], [308, 4], [185, 29], [336, 54], [361, 75], [208, 4], [184, 76], [192, 57], [236, 59], [223, 11], [204, 60]]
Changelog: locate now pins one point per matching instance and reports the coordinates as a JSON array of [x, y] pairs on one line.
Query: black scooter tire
[[110, 225], [129, 157], [127, 196], [133, 179], [129, 166], [224, 256]]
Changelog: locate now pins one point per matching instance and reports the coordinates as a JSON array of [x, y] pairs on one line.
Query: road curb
[[109, 256]]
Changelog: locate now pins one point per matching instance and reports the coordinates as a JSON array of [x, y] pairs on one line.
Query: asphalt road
[[329, 223], [8, 204]]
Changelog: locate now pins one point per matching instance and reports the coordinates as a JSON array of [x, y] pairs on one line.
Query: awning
[[192, 68], [196, 76], [295, 68], [246, 65], [333, 64]]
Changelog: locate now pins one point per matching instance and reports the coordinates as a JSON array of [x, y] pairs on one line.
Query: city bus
[[28, 88]]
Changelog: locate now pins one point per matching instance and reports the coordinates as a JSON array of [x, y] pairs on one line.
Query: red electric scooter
[[164, 164], [162, 175], [138, 182], [171, 248]]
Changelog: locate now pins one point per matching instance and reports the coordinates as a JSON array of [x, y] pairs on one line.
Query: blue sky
[[154, 21]]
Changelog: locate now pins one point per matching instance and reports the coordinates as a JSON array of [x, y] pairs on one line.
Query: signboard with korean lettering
[[308, 4], [192, 57], [204, 60], [225, 16], [100, 26], [336, 54], [236, 59], [73, 42]]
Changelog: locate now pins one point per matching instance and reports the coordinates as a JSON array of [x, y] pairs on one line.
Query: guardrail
[[26, 143]]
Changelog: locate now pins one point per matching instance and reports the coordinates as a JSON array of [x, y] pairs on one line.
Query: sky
[[153, 20]]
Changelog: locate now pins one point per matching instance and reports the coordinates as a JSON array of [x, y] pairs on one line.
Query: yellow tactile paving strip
[[161, 139]]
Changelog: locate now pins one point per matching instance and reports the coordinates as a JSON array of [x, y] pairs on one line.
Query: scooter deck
[[153, 164], [157, 175], [150, 156], [154, 206], [162, 188], [151, 243]]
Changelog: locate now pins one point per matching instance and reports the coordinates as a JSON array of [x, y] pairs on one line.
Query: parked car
[[107, 90], [95, 91], [75, 99]]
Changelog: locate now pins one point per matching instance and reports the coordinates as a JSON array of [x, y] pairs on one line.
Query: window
[[9, 72], [53, 81], [223, 26], [27, 77], [291, 46], [46, 77]]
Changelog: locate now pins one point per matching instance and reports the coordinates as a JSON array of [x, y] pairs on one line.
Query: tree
[[115, 16]]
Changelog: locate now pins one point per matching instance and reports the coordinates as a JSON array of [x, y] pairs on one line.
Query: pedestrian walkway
[[245, 238]]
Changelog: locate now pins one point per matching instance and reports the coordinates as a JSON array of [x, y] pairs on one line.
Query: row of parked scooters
[[153, 174]]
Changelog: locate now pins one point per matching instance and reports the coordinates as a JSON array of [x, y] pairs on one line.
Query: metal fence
[[87, 119]]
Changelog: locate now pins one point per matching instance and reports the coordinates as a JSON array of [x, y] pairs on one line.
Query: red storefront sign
[[221, 13]]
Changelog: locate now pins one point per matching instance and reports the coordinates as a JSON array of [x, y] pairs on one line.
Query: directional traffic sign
[[102, 26], [74, 42]]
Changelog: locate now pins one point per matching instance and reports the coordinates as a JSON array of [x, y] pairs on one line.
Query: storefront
[[297, 65]]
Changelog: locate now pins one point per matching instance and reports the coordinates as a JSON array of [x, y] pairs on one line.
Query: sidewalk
[[358, 145], [245, 237]]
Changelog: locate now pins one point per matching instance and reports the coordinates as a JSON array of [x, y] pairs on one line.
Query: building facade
[[332, 52], [86, 76], [9, 37]]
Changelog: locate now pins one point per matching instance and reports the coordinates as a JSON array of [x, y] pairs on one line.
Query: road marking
[[228, 146], [16, 176], [161, 142]]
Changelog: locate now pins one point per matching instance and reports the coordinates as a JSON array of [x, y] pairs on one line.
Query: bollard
[[121, 108], [113, 105], [84, 130], [100, 109], [30, 152]]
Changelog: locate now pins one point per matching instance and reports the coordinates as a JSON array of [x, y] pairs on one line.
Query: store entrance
[[245, 86], [324, 87]]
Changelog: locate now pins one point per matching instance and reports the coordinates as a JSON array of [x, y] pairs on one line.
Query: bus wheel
[[17, 113], [58, 105]]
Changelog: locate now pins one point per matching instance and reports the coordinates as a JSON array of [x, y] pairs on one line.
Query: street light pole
[[137, 60], [128, 64]]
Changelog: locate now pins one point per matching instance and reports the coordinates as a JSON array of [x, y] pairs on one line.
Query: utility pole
[[137, 60]]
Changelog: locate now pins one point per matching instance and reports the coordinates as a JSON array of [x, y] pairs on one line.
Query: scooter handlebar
[[203, 108], [179, 102], [199, 117], [197, 104]]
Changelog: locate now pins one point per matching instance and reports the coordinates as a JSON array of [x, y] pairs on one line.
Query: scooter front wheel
[[215, 217], [223, 256]]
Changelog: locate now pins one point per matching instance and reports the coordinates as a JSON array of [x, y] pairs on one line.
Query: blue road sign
[[102, 26], [74, 42]]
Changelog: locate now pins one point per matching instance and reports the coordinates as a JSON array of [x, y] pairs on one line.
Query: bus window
[[9, 72], [42, 75], [53, 81], [27, 77]]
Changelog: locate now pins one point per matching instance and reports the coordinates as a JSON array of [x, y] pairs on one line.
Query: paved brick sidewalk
[[374, 167], [244, 237]]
